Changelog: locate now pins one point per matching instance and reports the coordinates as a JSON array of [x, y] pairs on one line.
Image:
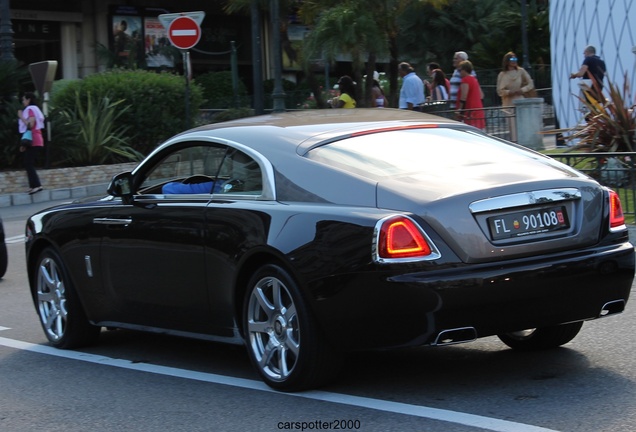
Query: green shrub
[[296, 95], [157, 100], [97, 140], [218, 91], [9, 136], [232, 114]]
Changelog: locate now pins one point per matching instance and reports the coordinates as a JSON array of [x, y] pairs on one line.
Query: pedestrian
[[438, 86], [412, 91], [512, 82], [469, 97], [432, 67], [456, 78], [593, 69], [31, 119], [347, 98], [378, 99]]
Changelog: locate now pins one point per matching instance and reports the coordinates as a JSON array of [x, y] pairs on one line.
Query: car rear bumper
[[378, 310]]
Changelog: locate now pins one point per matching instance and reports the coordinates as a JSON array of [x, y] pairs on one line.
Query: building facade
[[87, 36], [608, 25]]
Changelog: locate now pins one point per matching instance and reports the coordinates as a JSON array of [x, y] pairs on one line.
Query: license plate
[[528, 223]]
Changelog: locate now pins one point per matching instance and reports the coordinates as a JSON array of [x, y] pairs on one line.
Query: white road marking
[[15, 239], [472, 420]]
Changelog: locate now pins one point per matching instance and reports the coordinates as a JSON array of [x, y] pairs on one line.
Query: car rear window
[[401, 152]]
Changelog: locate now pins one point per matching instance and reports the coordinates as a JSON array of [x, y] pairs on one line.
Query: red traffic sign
[[184, 32]]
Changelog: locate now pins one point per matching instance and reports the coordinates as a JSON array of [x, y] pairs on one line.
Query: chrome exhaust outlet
[[455, 336], [611, 308]]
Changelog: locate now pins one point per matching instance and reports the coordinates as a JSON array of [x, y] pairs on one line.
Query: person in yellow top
[[347, 98]]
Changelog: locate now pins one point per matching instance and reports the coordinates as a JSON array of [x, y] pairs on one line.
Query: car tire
[[283, 341], [542, 338], [4, 259], [56, 302]]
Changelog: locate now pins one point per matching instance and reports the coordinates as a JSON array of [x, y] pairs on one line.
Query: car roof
[[305, 129]]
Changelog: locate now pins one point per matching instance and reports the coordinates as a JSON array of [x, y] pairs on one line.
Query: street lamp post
[[6, 31], [257, 74], [524, 35], [278, 95]]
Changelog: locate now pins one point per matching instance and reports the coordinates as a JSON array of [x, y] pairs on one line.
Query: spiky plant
[[98, 137], [610, 124]]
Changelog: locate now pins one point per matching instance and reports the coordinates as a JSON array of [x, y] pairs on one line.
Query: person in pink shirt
[[31, 118]]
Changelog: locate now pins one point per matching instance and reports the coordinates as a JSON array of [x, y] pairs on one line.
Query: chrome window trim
[[267, 170]]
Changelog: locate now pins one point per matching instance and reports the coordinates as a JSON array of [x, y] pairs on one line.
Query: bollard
[[529, 120]]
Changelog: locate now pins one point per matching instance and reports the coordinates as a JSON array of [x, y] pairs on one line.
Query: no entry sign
[[184, 32]]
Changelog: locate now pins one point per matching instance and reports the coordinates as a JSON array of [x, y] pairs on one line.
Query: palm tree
[[372, 29], [350, 28]]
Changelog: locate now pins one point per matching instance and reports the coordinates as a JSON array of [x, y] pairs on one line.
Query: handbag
[[532, 93], [27, 139]]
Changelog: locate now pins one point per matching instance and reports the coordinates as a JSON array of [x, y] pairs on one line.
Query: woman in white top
[[378, 100], [439, 92]]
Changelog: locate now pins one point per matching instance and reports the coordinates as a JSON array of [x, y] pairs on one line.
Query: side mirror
[[121, 186]]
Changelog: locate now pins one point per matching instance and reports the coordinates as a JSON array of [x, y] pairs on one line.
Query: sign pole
[[186, 72], [184, 32]]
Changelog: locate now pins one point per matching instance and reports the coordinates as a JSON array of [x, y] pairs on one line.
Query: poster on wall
[[127, 40], [158, 50], [138, 40]]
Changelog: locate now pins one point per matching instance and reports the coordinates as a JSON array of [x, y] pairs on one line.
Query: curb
[[16, 199]]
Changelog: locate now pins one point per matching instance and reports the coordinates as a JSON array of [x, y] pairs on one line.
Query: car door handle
[[112, 221]]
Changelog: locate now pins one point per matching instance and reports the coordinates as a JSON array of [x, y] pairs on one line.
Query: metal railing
[[497, 118], [614, 170]]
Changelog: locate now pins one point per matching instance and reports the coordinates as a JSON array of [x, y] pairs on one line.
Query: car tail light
[[616, 216], [400, 238]]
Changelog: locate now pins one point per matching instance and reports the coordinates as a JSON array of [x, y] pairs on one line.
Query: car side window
[[204, 169], [240, 174], [190, 165]]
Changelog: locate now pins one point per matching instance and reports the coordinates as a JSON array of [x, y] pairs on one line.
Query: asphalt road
[[133, 381]]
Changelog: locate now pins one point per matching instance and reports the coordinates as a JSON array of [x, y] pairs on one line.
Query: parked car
[[4, 257], [308, 235]]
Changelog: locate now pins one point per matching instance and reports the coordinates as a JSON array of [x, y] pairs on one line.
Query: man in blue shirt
[[592, 69], [412, 91]]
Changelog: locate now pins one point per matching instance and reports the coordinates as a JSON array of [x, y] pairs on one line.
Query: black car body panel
[[325, 184], [4, 256]]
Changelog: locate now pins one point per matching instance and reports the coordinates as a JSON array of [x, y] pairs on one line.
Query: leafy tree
[[417, 31], [387, 17], [486, 29], [14, 79], [349, 27]]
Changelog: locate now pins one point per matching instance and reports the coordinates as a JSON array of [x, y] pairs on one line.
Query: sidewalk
[[46, 195]]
